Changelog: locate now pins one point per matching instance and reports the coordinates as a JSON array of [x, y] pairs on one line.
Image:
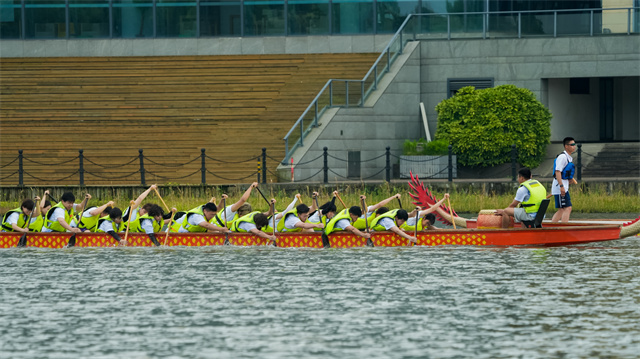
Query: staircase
[[614, 160]]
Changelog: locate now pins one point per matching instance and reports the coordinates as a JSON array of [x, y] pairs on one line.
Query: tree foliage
[[481, 125]]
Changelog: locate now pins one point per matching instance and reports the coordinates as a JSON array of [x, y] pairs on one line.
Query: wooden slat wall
[[171, 107]]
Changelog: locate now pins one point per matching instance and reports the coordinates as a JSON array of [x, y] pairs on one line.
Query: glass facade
[[54, 19]]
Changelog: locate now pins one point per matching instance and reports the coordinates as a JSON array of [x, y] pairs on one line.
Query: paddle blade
[[72, 241], [325, 240], [22, 242]]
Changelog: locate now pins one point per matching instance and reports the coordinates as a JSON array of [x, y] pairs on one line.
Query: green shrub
[[433, 148], [481, 125]]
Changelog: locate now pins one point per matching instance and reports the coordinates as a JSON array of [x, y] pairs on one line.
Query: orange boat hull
[[548, 236]]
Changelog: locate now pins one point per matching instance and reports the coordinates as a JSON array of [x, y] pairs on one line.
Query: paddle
[[152, 236], [173, 213], [224, 212], [22, 242], [265, 198], [451, 213], [126, 232], [273, 218], [72, 240], [323, 235], [165, 205], [341, 201], [415, 232], [366, 221], [399, 202]]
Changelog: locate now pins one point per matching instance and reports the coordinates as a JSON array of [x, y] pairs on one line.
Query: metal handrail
[[364, 93]]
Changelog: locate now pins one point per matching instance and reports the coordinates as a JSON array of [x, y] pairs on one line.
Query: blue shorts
[[562, 202]]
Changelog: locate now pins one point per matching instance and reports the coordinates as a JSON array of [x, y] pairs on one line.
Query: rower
[[371, 211], [91, 216], [16, 219], [527, 201], [44, 206], [112, 224], [344, 221], [149, 223], [294, 221], [387, 220], [324, 213], [59, 216], [134, 210], [235, 210], [428, 219], [280, 215], [253, 223], [199, 220]]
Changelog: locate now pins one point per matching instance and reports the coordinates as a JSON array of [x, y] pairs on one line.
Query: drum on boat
[[487, 218]]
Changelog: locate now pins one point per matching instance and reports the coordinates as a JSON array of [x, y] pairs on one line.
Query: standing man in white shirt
[[563, 171]]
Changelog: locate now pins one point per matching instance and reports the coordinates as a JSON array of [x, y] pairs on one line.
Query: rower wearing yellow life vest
[[371, 211], [294, 221], [427, 218], [343, 221], [59, 217], [15, 220], [279, 215], [135, 210], [112, 224], [43, 207], [529, 196], [387, 220], [149, 223], [90, 217], [322, 214], [253, 223], [199, 220], [236, 210]]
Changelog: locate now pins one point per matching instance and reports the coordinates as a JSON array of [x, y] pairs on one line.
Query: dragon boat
[[546, 236]]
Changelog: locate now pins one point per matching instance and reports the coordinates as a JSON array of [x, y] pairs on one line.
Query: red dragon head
[[423, 197]]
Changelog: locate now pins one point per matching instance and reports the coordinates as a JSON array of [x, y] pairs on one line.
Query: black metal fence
[[262, 169]]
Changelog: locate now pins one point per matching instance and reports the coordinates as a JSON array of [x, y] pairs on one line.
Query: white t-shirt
[[85, 214], [147, 225], [561, 162], [229, 213], [194, 220], [134, 214], [411, 221], [369, 212], [290, 221], [15, 216], [247, 226], [106, 226], [387, 223], [57, 213], [342, 224]]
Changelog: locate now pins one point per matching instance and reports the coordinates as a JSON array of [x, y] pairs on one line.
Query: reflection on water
[[225, 302]]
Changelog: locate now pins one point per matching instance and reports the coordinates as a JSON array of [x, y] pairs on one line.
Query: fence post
[[20, 169], [142, 181], [450, 167], [580, 162], [81, 168], [264, 165], [513, 162], [388, 164], [203, 167], [325, 166]]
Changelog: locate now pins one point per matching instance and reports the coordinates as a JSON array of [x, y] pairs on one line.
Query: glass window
[[88, 18], [391, 13], [220, 18], [45, 19], [132, 18], [10, 19], [264, 17], [352, 17], [308, 17], [176, 18]]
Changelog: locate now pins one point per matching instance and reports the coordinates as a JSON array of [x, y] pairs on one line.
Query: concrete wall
[[528, 63], [577, 116], [390, 116], [202, 46]]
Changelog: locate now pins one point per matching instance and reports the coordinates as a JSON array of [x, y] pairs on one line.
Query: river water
[[225, 302]]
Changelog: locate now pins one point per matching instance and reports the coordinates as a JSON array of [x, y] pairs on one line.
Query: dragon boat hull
[[548, 236]]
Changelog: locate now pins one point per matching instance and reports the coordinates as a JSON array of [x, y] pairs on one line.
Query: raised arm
[[96, 211], [272, 206], [142, 196], [244, 198], [383, 203], [82, 204], [289, 207], [44, 199], [431, 209], [314, 202], [36, 208]]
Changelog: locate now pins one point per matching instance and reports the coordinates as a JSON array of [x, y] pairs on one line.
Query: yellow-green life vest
[[36, 226], [235, 226], [219, 218], [116, 227], [537, 193], [89, 223], [408, 227], [22, 219], [390, 214], [190, 227], [55, 226], [280, 226], [323, 219], [136, 227], [331, 226], [361, 224]]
